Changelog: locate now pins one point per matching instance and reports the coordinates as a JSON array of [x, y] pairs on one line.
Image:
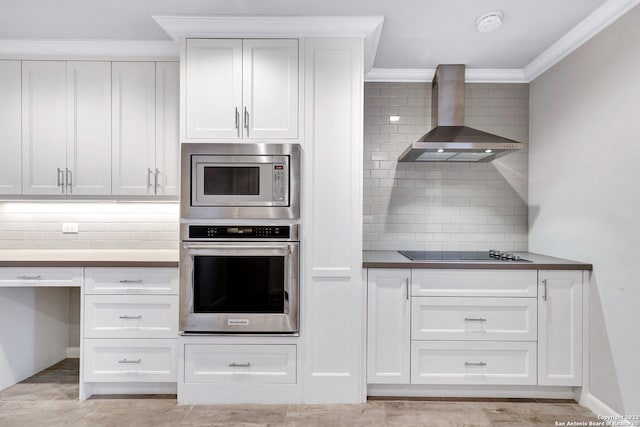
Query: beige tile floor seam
[[49, 399]]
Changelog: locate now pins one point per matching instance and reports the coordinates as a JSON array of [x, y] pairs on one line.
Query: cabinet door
[[44, 126], [388, 326], [560, 328], [10, 131], [133, 127], [213, 96], [270, 88], [167, 128], [89, 124]]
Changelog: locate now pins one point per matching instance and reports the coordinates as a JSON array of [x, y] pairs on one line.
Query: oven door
[[239, 287], [237, 181]]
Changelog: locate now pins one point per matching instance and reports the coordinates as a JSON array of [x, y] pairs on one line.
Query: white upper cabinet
[[134, 127], [66, 127], [89, 128], [44, 127], [270, 88], [10, 130], [240, 89], [560, 328], [145, 142], [167, 179]]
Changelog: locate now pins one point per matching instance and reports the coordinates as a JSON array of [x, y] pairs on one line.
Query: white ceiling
[[417, 34]]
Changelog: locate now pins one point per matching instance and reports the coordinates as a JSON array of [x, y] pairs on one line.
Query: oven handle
[[286, 248]]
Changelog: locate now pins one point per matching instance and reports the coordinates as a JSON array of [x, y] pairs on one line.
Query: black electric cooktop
[[466, 256]]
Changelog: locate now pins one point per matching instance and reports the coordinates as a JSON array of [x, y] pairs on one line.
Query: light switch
[[69, 227]]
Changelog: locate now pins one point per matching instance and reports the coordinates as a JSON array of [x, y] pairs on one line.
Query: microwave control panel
[[280, 179]]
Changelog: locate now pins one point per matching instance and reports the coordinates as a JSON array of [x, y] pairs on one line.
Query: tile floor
[[50, 399]]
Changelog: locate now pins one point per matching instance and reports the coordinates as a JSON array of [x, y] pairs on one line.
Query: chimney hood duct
[[450, 140]]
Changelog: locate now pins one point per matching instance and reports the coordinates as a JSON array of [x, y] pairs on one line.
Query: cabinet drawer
[[131, 281], [41, 276], [240, 364], [470, 283], [473, 362], [124, 316], [452, 318], [130, 360]]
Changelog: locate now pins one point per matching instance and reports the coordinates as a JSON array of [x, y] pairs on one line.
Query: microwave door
[[232, 184]]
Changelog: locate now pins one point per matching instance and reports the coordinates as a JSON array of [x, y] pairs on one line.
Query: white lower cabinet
[[217, 363], [130, 325], [475, 327], [475, 362], [126, 360], [41, 276]]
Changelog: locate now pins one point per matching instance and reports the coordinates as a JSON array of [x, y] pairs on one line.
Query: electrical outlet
[[70, 227]]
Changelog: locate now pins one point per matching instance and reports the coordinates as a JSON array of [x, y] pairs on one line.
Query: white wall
[[443, 206], [584, 193]]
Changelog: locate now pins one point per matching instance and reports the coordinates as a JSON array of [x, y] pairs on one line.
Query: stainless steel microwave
[[240, 181]]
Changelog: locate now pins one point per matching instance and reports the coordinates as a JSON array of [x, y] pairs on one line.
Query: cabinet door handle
[[239, 365], [238, 122], [69, 179], [130, 281], [246, 120], [475, 364], [475, 319], [138, 317], [544, 295], [149, 173], [155, 181], [29, 277], [406, 284], [130, 361], [61, 179]]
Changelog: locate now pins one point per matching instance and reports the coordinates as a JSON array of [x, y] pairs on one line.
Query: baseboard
[[470, 391], [600, 408], [73, 352]]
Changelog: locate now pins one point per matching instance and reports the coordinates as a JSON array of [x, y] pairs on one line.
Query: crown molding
[[597, 21], [92, 48], [367, 27], [426, 75]]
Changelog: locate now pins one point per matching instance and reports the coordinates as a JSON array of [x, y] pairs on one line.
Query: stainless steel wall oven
[[239, 278]]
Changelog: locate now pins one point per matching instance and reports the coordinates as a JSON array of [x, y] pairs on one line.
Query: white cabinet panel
[[126, 360], [274, 364], [560, 328], [44, 127], [123, 316], [41, 276], [466, 283], [213, 91], [167, 169], [455, 318], [270, 88], [131, 281], [133, 127], [481, 362], [388, 326], [10, 127], [89, 128]]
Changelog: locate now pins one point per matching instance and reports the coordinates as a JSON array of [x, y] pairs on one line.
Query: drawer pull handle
[[29, 277], [475, 364], [475, 319], [239, 365], [124, 361], [131, 317], [130, 281]]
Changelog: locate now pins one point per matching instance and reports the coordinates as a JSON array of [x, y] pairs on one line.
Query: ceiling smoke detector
[[489, 21]]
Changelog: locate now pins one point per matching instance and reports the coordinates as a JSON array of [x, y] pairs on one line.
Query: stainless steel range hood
[[450, 140]]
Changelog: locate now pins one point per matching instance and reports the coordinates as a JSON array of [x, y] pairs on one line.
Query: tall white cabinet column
[[333, 294]]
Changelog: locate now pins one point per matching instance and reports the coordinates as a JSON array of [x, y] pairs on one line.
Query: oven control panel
[[239, 231]]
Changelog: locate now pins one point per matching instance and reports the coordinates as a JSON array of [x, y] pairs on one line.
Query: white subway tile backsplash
[[442, 206]]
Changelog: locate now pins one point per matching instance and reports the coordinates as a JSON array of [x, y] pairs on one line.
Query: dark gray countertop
[[392, 259]]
